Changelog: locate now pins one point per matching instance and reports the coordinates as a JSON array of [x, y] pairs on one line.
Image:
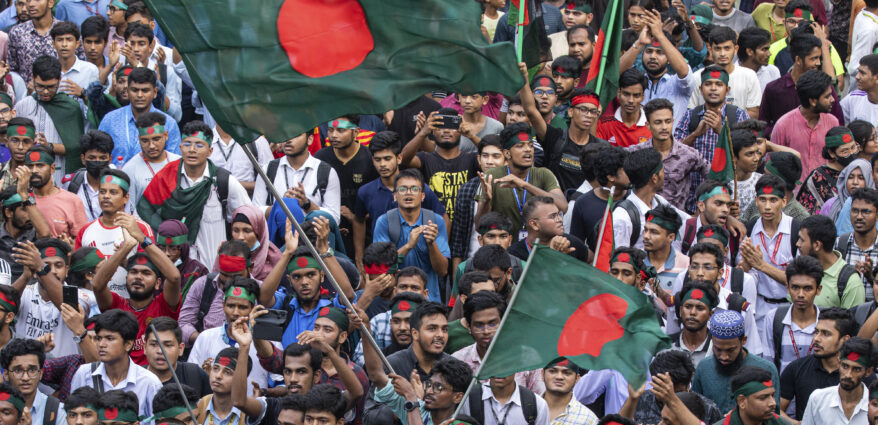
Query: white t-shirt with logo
[[105, 239], [37, 316]]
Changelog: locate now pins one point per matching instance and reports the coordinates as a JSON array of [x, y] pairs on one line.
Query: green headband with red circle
[[303, 262], [752, 387], [171, 240], [118, 4], [151, 130], [113, 414], [584, 8], [199, 135], [799, 13], [116, 180], [771, 191], [8, 304], [837, 140], [91, 260], [402, 306], [51, 251], [124, 71], [13, 400], [861, 359], [39, 156], [717, 190], [716, 74], [226, 361], [698, 295], [342, 124], [21, 130], [239, 292], [520, 137]]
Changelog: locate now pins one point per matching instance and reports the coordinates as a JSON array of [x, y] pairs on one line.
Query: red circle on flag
[[111, 413], [853, 356], [108, 179], [302, 262], [797, 13], [224, 361], [719, 160], [715, 74], [34, 156], [236, 292], [594, 324], [523, 137], [150, 130], [846, 138], [708, 232], [21, 130], [50, 251], [404, 306], [624, 257], [141, 260], [323, 38], [323, 311], [697, 294], [169, 241]]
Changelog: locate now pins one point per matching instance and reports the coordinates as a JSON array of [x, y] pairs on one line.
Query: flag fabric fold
[[722, 168], [566, 308], [164, 199], [280, 67], [603, 72], [606, 244], [535, 42]]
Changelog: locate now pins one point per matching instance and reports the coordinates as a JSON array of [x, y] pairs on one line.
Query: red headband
[[376, 268], [585, 98], [232, 264]]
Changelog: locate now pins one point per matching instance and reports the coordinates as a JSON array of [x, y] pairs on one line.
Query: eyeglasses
[[555, 216], [481, 327], [198, 145], [587, 111], [705, 267], [32, 372], [407, 189], [865, 211], [541, 92], [435, 386], [45, 88]]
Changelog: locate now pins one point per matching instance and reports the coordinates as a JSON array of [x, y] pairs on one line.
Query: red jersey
[[612, 129], [157, 308]]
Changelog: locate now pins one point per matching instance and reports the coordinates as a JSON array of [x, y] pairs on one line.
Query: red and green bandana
[[171, 240], [337, 316], [232, 263], [709, 232], [51, 251], [116, 180], [141, 259], [380, 268], [226, 361], [566, 73], [170, 413], [543, 81], [125, 70], [21, 130], [799, 13], [752, 387], [585, 98], [584, 8], [520, 137], [119, 4], [342, 124], [12, 200], [873, 395], [7, 99], [839, 139], [564, 362], [402, 306], [12, 399], [698, 295], [112, 414], [199, 135], [660, 222], [721, 75], [770, 190], [239, 292], [717, 190], [488, 227], [151, 130], [861, 359], [88, 262], [623, 257], [36, 156], [8, 304], [303, 262]]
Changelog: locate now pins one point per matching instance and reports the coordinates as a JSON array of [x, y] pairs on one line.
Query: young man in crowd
[[671, 372], [698, 302], [848, 401], [62, 210], [862, 103], [744, 90], [748, 156], [96, 148], [12, 408], [30, 39], [153, 137], [76, 74], [560, 375], [627, 126], [659, 232], [18, 142], [544, 225], [23, 360], [841, 285], [229, 154], [22, 222], [470, 283], [168, 335], [588, 210], [81, 407], [860, 247], [474, 126], [753, 53], [755, 397]]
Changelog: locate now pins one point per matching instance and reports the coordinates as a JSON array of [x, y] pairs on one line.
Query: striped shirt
[[854, 254], [575, 414], [791, 333]]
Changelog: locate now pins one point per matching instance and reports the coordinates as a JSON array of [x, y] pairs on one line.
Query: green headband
[[37, 156], [839, 139], [402, 306], [657, 169], [141, 259], [12, 200], [520, 137], [172, 240], [343, 124], [660, 222], [861, 359], [90, 260], [873, 395], [623, 257], [7, 99], [12, 399], [337, 316], [584, 8], [769, 166], [112, 414], [226, 361], [8, 304], [168, 413], [703, 20], [199, 135], [751, 388], [799, 13], [51, 251], [21, 130], [721, 75], [109, 178], [124, 71], [488, 227], [118, 4], [698, 295], [149, 131], [717, 190], [771, 191], [563, 362], [303, 262], [239, 292], [708, 232]]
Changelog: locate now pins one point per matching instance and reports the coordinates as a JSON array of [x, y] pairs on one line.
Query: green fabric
[[717, 387], [112, 414], [722, 168], [90, 260], [603, 73], [240, 292], [593, 320], [503, 200], [186, 205], [458, 337], [246, 79], [303, 262], [67, 116], [751, 388], [535, 43], [854, 292], [735, 419], [92, 116], [12, 200], [156, 129], [559, 121]]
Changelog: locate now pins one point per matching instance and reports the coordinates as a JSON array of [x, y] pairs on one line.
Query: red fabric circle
[[624, 257], [767, 190], [767, 383], [797, 13], [302, 262], [708, 232], [523, 137], [404, 306], [4, 396], [224, 361], [21, 130], [108, 179], [127, 71], [545, 82], [846, 138], [50, 251], [34, 156], [111, 413], [323, 311], [697, 294], [853, 356], [150, 130], [141, 260], [715, 74], [236, 292], [169, 241]]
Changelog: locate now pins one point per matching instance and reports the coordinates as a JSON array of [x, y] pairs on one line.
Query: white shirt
[[210, 342], [141, 173], [139, 380], [287, 176], [37, 316], [766, 74], [511, 410], [864, 35], [622, 226], [89, 196], [106, 239], [232, 157], [29, 108], [824, 407], [212, 232], [779, 243], [744, 89], [856, 106]]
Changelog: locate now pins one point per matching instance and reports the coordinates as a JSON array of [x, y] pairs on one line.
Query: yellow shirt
[[779, 45], [765, 19]]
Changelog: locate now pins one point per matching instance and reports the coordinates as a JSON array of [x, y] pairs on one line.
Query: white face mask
[[255, 246], [178, 262]]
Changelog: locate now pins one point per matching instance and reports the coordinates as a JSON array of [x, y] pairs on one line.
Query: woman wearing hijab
[[172, 238], [839, 151], [248, 226], [857, 175]]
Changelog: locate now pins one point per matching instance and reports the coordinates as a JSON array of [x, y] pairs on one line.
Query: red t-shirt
[[157, 308], [612, 129]]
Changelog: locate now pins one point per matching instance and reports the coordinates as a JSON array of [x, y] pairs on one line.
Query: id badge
[[522, 234]]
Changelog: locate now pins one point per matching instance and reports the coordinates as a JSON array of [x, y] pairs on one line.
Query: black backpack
[[394, 228], [528, 404], [76, 181], [841, 244], [634, 215], [206, 300], [698, 112], [50, 412], [322, 178]]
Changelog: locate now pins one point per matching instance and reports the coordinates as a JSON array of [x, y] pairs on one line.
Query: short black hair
[[587, 158], [120, 321], [640, 166], [426, 309], [136, 29], [721, 34], [615, 418], [867, 195], [490, 256], [298, 350], [232, 353], [669, 215], [862, 130], [694, 403], [246, 283], [408, 173], [163, 324], [801, 45], [96, 140], [483, 300], [513, 129], [608, 160], [491, 140], [64, 28], [150, 118], [119, 399], [115, 172], [811, 85], [568, 63], [385, 140], [751, 38], [656, 105], [142, 75], [633, 77], [844, 320], [47, 68], [493, 218], [168, 396], [711, 249], [95, 26], [871, 62], [380, 253], [792, 5], [63, 250], [771, 180], [137, 8], [413, 271], [22, 347], [195, 126], [531, 205], [749, 374], [787, 164], [326, 398], [465, 285], [860, 346], [581, 27], [753, 125], [456, 372], [677, 363], [742, 139], [82, 397], [235, 248], [294, 402], [805, 265], [821, 229]]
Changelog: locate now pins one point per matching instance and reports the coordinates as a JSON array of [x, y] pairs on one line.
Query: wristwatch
[[147, 241], [78, 338], [329, 253], [45, 270], [307, 205], [411, 405], [31, 201]]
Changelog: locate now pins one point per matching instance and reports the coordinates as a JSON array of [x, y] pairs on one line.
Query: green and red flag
[[566, 308], [722, 168], [603, 73], [530, 31], [606, 244], [280, 67]]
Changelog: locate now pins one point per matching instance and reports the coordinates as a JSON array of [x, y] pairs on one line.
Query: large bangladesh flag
[[564, 307], [535, 42], [279, 67], [722, 167], [603, 73]]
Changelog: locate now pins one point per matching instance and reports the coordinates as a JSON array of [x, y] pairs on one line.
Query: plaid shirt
[[336, 381], [462, 225], [705, 144], [380, 326], [25, 46], [855, 254], [58, 373], [273, 363], [575, 414]]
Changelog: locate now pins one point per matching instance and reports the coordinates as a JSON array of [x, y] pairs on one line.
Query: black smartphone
[[70, 296], [451, 121], [270, 326]]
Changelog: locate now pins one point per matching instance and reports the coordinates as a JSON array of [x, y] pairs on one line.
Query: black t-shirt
[[351, 175], [562, 157], [801, 377], [446, 176], [194, 376], [521, 250], [405, 118], [588, 210]]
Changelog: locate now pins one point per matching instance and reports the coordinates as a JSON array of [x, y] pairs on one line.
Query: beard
[[141, 295], [448, 145], [695, 328], [849, 385], [730, 369], [38, 182]]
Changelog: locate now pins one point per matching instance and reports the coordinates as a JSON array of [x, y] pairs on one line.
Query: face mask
[[94, 168], [178, 262], [255, 246], [846, 160]]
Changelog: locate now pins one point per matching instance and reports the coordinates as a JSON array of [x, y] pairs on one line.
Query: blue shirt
[[8, 17], [77, 11], [670, 86], [420, 255], [302, 320], [119, 124], [375, 199], [39, 409]]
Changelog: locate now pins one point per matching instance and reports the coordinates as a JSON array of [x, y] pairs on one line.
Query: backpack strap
[[846, 272], [476, 406], [794, 236], [777, 332], [695, 118], [206, 300], [77, 181], [273, 165], [96, 381], [688, 235], [634, 215], [750, 225], [393, 226], [862, 312], [841, 244], [528, 405], [50, 412], [163, 74], [222, 190], [323, 170], [201, 408], [737, 281], [288, 298]]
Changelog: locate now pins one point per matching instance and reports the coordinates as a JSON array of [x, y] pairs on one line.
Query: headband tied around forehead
[[715, 74], [226, 361], [199, 135], [342, 124], [125, 70], [403, 306], [51, 251], [172, 240], [567, 73], [112, 414], [169, 413], [660, 222], [799, 13], [239, 292], [13, 200], [8, 304], [116, 180], [752, 387], [585, 98], [862, 359], [151, 130], [562, 362], [21, 130], [303, 262], [231, 263], [118, 4], [709, 232], [543, 81], [7, 99], [141, 259], [337, 316], [839, 139], [698, 19], [717, 190], [90, 261], [699, 295], [584, 8], [38, 156], [770, 190], [12, 399], [520, 137], [493, 226], [380, 268]]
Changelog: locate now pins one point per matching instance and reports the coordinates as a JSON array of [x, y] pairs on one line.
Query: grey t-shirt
[[492, 126], [736, 20]]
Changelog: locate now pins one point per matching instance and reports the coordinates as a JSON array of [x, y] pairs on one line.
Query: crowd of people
[[146, 268]]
